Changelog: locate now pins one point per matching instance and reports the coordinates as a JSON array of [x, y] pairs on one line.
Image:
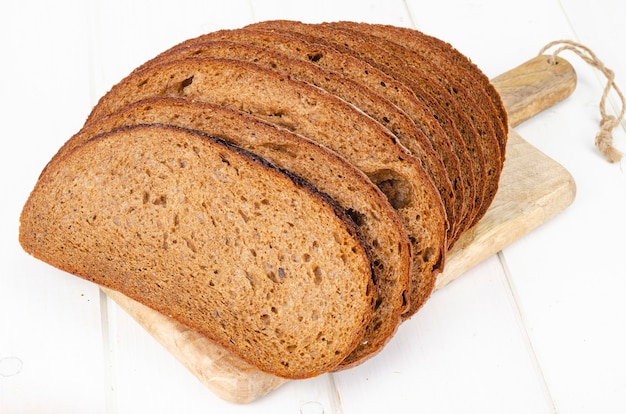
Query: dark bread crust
[[98, 248], [439, 50], [450, 80]]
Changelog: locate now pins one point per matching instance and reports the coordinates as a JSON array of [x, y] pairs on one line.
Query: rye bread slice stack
[[288, 190]]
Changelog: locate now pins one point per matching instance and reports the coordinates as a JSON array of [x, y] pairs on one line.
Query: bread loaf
[[287, 190]]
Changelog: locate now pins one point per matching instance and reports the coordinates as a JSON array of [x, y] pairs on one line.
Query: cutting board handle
[[534, 86]]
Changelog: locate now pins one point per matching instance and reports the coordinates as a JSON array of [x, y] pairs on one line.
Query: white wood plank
[[50, 343], [50, 347], [44, 79], [553, 267], [571, 291], [125, 34], [573, 300], [600, 26]]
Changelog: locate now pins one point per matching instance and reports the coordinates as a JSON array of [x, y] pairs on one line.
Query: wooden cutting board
[[532, 189]]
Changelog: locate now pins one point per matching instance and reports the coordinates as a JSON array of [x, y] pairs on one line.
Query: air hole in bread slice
[[395, 187], [317, 273], [315, 57], [356, 216], [185, 83]]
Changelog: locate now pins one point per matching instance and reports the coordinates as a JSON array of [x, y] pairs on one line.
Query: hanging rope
[[604, 137]]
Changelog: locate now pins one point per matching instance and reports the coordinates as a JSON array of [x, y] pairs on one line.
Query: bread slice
[[248, 255], [374, 105], [448, 144], [376, 219], [319, 116]]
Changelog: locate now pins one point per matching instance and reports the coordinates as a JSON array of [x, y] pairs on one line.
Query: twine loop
[[608, 122]]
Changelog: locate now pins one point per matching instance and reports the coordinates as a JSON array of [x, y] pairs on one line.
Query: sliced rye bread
[[250, 256], [473, 91], [374, 105], [319, 116], [444, 107], [447, 143], [379, 224]]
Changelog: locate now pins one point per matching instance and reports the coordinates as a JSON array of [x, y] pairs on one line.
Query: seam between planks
[[519, 316], [334, 396], [107, 355], [95, 84]]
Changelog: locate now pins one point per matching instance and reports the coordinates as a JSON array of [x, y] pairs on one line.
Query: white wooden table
[[538, 328]]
